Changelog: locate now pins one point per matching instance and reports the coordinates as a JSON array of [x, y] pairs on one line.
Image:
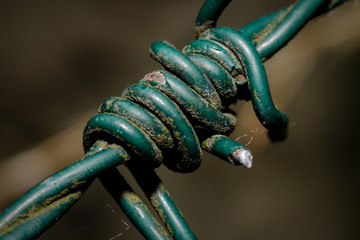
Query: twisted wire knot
[[165, 117]]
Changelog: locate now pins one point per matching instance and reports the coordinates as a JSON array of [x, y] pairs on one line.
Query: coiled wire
[[171, 103], [166, 118], [198, 80]]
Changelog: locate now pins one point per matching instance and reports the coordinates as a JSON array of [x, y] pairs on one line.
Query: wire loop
[[167, 118]]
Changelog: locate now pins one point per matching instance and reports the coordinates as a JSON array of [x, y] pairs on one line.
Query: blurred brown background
[[60, 60]]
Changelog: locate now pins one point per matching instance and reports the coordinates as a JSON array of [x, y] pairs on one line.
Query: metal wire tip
[[243, 157]]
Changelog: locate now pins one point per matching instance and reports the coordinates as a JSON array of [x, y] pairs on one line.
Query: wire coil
[[167, 118], [197, 86]]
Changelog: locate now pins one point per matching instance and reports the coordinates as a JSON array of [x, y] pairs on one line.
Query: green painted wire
[[296, 16], [269, 116], [284, 30], [133, 206], [271, 32], [40, 207], [208, 15], [49, 200], [160, 198]]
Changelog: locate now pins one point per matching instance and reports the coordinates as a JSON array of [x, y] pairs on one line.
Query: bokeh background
[[61, 59]]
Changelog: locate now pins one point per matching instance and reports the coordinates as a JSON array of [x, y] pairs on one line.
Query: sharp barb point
[[243, 157]]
